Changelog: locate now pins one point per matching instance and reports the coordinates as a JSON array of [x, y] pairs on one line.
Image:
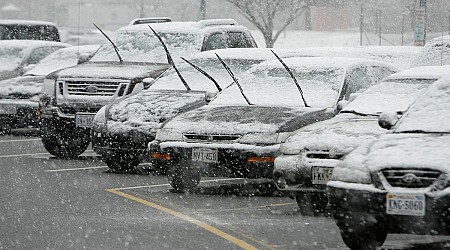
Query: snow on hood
[[60, 59], [410, 151], [430, 113], [435, 52], [424, 72], [148, 109], [22, 86], [110, 70], [237, 120], [342, 133]]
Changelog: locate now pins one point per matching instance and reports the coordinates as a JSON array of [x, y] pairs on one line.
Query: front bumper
[[293, 173], [234, 160], [18, 114], [132, 142], [361, 205]]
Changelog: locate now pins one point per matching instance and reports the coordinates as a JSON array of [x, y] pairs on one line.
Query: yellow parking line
[[230, 238]]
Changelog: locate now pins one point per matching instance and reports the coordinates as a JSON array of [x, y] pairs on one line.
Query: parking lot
[[55, 203]]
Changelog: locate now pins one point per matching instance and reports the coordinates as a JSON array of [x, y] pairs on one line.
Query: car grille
[[325, 154], [94, 88], [411, 178], [201, 137]]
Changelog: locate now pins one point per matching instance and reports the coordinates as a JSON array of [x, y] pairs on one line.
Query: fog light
[[160, 156], [266, 159]]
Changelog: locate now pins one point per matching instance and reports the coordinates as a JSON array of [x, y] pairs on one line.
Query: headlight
[[264, 138], [48, 88], [100, 117]]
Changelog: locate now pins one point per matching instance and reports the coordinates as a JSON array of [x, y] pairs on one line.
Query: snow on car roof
[[435, 52], [423, 72], [430, 113]]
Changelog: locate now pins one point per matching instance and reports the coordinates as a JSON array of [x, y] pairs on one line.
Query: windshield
[[272, 86], [430, 113], [10, 58], [390, 95], [143, 46], [196, 80]]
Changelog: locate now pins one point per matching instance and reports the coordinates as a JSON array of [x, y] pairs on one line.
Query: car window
[[358, 79], [215, 41], [379, 73], [40, 53], [239, 40]]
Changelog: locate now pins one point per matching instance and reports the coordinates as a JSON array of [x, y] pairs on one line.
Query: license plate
[[204, 155], [84, 120], [405, 204], [321, 175], [8, 109]]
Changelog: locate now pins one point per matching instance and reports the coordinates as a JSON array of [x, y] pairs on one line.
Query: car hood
[[410, 151], [21, 87], [126, 71], [239, 120], [342, 133], [147, 109]]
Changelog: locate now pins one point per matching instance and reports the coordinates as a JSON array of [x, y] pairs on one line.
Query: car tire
[[311, 204], [122, 162], [183, 178], [159, 167], [365, 238], [66, 144]]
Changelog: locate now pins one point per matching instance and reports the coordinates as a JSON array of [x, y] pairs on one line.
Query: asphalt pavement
[[50, 203]]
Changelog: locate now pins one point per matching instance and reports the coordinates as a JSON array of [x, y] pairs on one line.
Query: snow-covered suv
[[71, 97]]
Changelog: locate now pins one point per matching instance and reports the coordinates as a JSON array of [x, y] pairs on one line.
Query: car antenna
[[293, 77], [204, 73], [169, 59], [234, 78], [109, 39], [442, 48]]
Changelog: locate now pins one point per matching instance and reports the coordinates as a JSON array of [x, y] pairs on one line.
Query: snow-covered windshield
[[60, 59], [144, 46], [196, 80], [430, 113], [269, 84], [389, 95], [10, 57]]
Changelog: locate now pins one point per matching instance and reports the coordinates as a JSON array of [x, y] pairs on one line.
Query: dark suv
[[71, 97]]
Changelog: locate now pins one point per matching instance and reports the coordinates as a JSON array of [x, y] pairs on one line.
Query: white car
[[240, 131], [400, 182], [308, 156]]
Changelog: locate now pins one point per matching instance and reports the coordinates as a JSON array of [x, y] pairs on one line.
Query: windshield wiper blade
[[293, 78], [109, 39], [204, 73], [356, 113], [170, 60], [234, 78]]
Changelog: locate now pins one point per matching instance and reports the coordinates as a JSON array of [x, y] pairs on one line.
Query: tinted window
[[40, 53], [239, 40], [215, 41]]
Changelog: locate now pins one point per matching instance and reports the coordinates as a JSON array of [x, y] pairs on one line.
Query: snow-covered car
[[436, 52], [71, 97], [123, 129], [19, 56], [400, 182], [19, 96], [240, 131], [309, 155]]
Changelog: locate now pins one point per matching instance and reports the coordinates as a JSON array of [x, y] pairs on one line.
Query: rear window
[[28, 32]]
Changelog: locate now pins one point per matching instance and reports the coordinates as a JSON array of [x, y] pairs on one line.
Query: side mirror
[[209, 96], [341, 105], [148, 82], [84, 57], [387, 120]]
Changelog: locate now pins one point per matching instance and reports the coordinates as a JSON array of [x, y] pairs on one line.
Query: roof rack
[[150, 20], [217, 22]]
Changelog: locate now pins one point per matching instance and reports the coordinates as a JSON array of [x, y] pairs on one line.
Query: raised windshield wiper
[[109, 39], [234, 78], [170, 60], [204, 73], [293, 78]]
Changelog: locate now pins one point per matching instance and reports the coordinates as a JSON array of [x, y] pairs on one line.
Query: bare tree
[[262, 13]]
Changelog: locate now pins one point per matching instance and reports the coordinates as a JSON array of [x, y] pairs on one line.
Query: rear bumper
[[18, 114], [233, 161], [360, 207]]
